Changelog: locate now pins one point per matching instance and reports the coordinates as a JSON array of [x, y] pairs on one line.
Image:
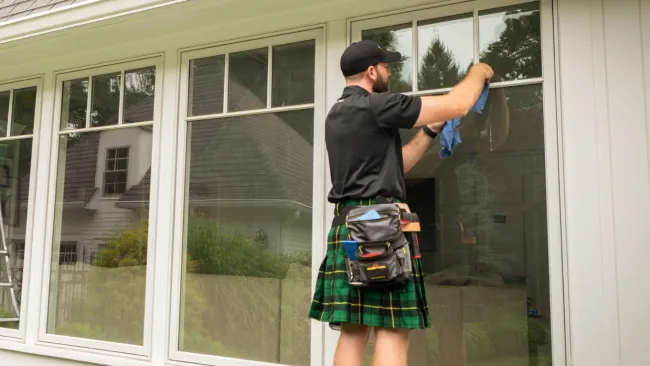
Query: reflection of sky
[[456, 35], [492, 25], [405, 47]]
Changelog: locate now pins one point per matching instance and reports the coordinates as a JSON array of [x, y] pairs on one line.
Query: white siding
[[8, 358], [603, 48]]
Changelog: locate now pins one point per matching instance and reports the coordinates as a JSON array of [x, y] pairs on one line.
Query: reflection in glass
[[510, 41], [293, 73], [484, 238], [247, 80], [106, 100], [445, 51], [15, 164], [99, 254], [396, 38], [4, 112], [74, 106], [206, 86], [247, 249], [22, 119], [139, 90]]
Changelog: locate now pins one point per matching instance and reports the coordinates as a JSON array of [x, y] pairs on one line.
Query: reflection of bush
[[231, 285], [10, 325]]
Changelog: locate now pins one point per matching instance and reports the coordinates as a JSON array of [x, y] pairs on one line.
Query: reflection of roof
[[14, 9], [244, 158], [80, 169]]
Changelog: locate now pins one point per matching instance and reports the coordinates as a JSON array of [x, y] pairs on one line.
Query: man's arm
[[419, 144], [458, 102]]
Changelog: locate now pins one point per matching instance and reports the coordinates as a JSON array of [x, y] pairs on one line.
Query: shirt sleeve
[[395, 110]]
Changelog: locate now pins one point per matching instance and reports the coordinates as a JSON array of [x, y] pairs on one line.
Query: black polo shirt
[[364, 145]]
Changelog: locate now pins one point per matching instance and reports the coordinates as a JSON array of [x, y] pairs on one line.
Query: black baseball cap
[[363, 54]]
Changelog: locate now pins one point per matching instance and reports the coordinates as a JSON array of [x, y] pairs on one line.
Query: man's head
[[366, 65]]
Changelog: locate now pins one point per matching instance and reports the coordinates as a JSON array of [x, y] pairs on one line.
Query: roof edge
[[76, 15]]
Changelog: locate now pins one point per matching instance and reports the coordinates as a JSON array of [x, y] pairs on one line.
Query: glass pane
[[484, 238], [15, 163], [396, 38], [22, 120], [510, 41], [206, 86], [74, 107], [139, 90], [4, 112], [106, 100], [109, 260], [445, 51], [122, 164], [293, 73], [247, 80], [247, 265]]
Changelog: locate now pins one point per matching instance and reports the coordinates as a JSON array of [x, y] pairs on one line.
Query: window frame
[[141, 352], [316, 33], [553, 152], [11, 86], [440, 11]]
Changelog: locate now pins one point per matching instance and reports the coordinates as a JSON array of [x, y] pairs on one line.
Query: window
[[115, 173], [247, 199], [100, 246], [19, 106], [483, 211]]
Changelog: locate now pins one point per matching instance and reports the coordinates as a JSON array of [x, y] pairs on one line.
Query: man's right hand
[[487, 70]]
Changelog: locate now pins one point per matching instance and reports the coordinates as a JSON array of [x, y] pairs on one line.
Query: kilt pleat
[[401, 306]]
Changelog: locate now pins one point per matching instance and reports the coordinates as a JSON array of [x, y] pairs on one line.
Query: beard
[[380, 85]]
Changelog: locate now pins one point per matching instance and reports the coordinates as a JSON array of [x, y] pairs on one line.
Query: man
[[367, 161]]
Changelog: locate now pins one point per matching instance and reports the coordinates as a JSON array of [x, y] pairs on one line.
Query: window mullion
[[269, 79], [226, 78], [10, 116], [89, 101], [415, 51], [477, 44], [120, 116]]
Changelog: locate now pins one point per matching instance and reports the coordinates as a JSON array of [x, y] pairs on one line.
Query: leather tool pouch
[[383, 256]]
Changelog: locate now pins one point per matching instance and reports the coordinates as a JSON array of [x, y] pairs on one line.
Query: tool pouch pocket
[[383, 256]]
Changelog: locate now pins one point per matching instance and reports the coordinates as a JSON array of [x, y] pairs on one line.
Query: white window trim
[[556, 209], [357, 25], [319, 174], [29, 227], [96, 346]]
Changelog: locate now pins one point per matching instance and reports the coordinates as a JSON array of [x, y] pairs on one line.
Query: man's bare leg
[[352, 345], [391, 347]]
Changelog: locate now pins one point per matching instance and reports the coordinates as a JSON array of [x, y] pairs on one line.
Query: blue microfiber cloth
[[449, 136]]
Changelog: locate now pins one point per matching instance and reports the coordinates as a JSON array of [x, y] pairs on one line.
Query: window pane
[[22, 120], [106, 100], [4, 112], [247, 80], [15, 161], [484, 238], [110, 263], [293, 73], [206, 86], [510, 41], [122, 164], [75, 104], [247, 269], [139, 89], [445, 51], [396, 38]]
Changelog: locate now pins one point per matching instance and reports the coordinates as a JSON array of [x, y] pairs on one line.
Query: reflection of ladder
[[5, 277]]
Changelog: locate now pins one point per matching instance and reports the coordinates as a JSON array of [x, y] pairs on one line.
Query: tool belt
[[382, 243]]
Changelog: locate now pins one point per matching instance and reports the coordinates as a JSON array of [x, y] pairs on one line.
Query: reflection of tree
[[439, 68], [517, 52]]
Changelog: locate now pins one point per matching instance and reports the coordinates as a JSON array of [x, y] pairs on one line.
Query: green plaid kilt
[[335, 302]]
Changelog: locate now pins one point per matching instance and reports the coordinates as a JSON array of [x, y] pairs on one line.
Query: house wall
[[604, 50]]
